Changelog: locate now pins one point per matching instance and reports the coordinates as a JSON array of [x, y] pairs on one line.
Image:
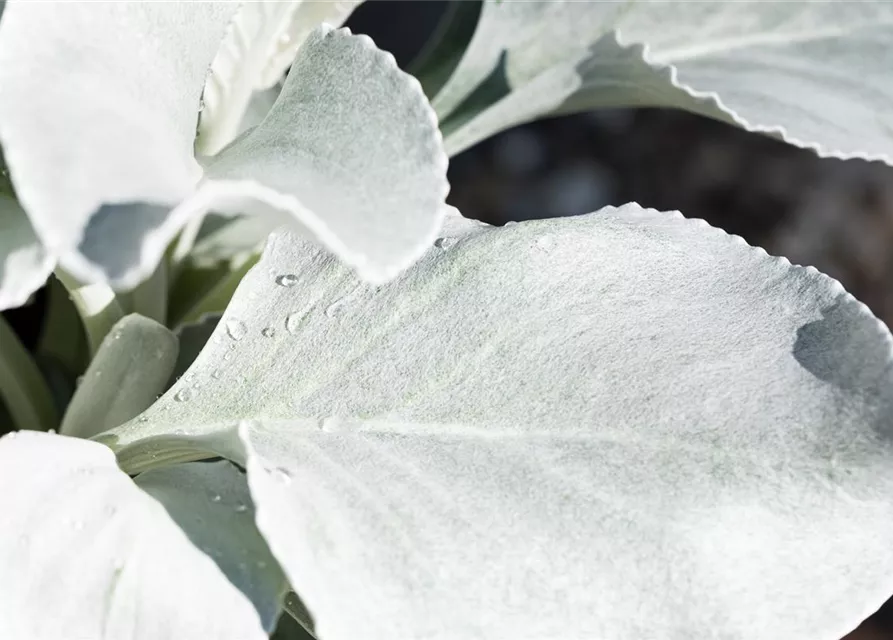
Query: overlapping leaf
[[621, 425], [815, 74], [87, 553], [102, 157]]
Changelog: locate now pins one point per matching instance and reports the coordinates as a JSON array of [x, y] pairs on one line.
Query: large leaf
[[87, 553], [621, 425], [815, 74], [99, 105]]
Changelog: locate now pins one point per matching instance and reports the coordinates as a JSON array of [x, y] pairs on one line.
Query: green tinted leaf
[[85, 553], [620, 425], [815, 74], [442, 52], [129, 371], [210, 289], [192, 338], [23, 388], [62, 336], [149, 298]]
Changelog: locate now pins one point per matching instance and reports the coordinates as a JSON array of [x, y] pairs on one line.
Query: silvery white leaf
[[260, 44], [619, 425], [307, 16], [350, 151], [24, 265], [87, 553], [100, 103], [814, 74]]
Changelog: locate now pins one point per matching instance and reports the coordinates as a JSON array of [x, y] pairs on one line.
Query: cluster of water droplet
[[236, 330]]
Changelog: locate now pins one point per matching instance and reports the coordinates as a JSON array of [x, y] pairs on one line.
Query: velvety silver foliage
[[87, 553], [815, 74], [101, 153], [560, 428]]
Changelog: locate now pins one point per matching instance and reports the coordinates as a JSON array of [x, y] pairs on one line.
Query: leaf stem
[[97, 305]]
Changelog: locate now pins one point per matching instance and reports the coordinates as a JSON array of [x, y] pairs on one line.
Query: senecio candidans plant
[[407, 425]]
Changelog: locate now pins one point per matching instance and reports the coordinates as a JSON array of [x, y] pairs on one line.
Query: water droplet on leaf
[[444, 243], [287, 280], [282, 475], [183, 395], [236, 329], [268, 332], [241, 508], [216, 374]]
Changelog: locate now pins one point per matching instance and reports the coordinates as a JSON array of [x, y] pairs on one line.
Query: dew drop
[[227, 356], [143, 419], [241, 508], [183, 395], [268, 332], [287, 280], [216, 374], [216, 498], [444, 243], [236, 329]]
